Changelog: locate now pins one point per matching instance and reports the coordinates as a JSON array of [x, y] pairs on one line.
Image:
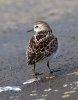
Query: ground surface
[[18, 16]]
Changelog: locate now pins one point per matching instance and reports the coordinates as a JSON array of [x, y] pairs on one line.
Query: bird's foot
[[51, 72], [37, 73]]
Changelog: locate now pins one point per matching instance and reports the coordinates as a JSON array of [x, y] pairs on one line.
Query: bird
[[43, 45]]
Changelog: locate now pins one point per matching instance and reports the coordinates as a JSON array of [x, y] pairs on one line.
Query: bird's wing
[[41, 49]]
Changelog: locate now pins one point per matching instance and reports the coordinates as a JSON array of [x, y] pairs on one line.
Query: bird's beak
[[30, 30]]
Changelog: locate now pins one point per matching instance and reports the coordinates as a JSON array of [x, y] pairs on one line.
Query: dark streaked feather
[[39, 50]]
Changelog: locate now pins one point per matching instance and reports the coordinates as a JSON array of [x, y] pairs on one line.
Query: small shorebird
[[43, 46]]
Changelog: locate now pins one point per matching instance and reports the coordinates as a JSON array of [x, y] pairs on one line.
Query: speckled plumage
[[42, 45]]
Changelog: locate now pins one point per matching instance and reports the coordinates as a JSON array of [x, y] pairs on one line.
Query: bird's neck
[[42, 34]]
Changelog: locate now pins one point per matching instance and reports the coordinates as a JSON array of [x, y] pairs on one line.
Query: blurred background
[[19, 16], [15, 13]]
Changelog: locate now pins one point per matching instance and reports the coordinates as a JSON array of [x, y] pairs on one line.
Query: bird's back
[[40, 46]]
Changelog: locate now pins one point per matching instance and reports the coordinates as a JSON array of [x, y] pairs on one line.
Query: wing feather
[[37, 51]]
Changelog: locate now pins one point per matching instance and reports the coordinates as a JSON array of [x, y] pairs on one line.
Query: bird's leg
[[34, 63], [49, 66], [34, 67], [35, 73]]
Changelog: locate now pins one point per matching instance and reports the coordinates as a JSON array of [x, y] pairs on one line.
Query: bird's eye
[[36, 27]]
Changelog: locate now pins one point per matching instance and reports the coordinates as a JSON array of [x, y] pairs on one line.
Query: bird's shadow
[[66, 69], [69, 68]]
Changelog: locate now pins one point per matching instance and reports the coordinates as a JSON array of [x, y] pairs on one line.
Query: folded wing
[[44, 47]]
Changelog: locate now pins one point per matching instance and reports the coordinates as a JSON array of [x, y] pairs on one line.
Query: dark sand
[[18, 16]]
